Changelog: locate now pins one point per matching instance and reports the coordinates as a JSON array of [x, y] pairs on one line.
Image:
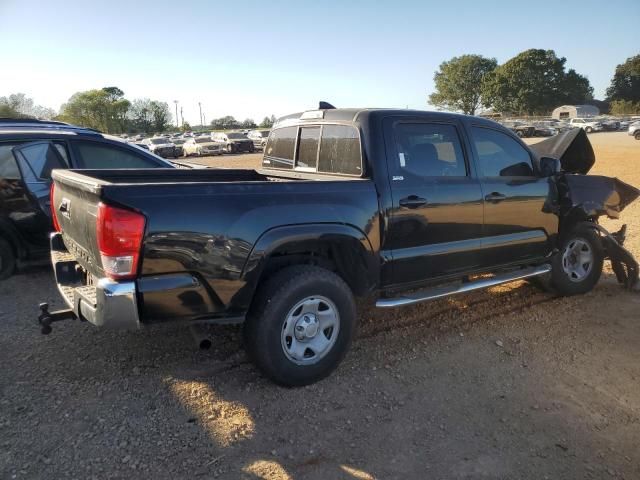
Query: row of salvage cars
[[214, 143], [551, 127]]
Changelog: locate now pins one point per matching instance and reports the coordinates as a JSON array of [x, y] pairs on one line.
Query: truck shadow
[[377, 416]]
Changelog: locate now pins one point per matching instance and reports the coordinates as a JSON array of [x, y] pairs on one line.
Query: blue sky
[[251, 59]]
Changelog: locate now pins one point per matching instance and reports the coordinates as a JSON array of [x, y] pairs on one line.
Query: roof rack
[[26, 120]]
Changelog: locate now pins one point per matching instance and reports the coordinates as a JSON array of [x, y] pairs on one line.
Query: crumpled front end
[[585, 198]]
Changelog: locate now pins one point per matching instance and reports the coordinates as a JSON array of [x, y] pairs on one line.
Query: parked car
[[544, 129], [286, 249], [161, 146], [609, 124], [520, 129], [202, 146], [29, 151], [178, 145], [634, 130], [259, 138], [234, 142], [587, 124]]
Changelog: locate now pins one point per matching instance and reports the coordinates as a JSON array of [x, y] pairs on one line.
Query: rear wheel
[[301, 325], [7, 259], [577, 267], [230, 148], [637, 135], [588, 129]]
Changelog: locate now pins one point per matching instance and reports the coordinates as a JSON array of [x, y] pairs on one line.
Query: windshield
[[203, 140], [179, 141], [265, 134], [236, 136], [159, 141]]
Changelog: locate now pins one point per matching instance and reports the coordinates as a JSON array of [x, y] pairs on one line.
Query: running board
[[441, 292]]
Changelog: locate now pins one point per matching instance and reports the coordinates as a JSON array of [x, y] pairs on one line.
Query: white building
[[575, 111]]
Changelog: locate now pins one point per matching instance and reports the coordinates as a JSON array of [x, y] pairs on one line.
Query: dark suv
[[29, 151]]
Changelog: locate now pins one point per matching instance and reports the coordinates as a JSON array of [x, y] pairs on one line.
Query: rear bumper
[[105, 303]]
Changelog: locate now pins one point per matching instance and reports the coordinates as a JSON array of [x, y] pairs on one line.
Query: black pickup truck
[[398, 205]]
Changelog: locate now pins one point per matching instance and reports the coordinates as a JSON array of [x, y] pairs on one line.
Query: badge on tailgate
[[65, 207]]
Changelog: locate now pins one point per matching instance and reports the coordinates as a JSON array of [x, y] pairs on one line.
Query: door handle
[[412, 201], [495, 197]]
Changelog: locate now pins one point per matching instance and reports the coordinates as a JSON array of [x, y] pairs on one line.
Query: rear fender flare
[[363, 259]]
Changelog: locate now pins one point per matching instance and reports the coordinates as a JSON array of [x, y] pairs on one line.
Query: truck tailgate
[[75, 203]]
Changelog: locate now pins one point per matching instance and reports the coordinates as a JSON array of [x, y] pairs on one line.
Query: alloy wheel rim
[[577, 260], [310, 330]]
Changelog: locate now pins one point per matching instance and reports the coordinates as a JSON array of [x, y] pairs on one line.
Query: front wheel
[[300, 325], [588, 129], [578, 265], [230, 148], [637, 135]]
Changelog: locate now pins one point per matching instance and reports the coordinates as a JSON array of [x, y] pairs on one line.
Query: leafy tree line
[[229, 123], [533, 82], [18, 105], [107, 110]]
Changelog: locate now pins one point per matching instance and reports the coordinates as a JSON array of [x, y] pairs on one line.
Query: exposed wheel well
[[344, 256]]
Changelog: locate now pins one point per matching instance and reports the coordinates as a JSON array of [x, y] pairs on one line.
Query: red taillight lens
[[52, 205], [119, 235]]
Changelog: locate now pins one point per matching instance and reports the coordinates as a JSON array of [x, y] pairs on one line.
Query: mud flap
[[622, 262]]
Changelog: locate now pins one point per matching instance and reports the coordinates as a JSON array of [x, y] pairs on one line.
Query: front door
[[517, 227], [435, 225]]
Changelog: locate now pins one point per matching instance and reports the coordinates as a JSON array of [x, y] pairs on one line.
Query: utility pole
[[181, 118], [176, 102], [200, 107], [204, 119]]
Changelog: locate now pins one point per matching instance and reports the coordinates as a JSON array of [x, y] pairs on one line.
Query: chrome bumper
[[106, 303]]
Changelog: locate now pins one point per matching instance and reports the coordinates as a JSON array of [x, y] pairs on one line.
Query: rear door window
[[95, 155], [280, 149], [340, 150], [8, 166], [38, 160]]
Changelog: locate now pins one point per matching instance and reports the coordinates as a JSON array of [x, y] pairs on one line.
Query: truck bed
[[203, 226]]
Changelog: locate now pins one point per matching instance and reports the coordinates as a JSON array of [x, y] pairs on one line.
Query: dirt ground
[[510, 384]]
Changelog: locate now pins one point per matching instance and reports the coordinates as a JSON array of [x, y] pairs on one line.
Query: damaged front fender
[[594, 195]]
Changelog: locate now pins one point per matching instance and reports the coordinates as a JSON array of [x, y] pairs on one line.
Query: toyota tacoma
[[396, 205]]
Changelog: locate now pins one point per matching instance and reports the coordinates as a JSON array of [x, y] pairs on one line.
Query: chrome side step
[[441, 292]]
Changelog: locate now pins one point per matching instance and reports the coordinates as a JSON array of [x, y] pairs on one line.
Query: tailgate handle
[[65, 207]]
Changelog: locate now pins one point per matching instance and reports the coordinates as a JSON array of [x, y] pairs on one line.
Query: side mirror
[[549, 166]]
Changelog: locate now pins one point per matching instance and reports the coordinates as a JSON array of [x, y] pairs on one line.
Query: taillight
[[52, 205], [119, 235]]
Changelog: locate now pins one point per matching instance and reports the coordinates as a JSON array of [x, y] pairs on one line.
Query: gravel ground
[[510, 383]]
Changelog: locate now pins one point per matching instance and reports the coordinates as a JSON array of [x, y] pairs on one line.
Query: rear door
[[516, 225], [435, 224], [36, 161]]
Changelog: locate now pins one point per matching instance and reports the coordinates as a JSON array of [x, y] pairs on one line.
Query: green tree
[[225, 123], [268, 122], [624, 107], [19, 105], [248, 123], [459, 83], [104, 109], [160, 115], [625, 84], [534, 82]]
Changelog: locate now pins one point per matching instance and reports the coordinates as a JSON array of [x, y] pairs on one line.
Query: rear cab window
[[96, 155], [326, 148]]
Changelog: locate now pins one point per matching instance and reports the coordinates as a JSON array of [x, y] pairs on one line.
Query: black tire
[[264, 328], [588, 130], [252, 148], [520, 133], [230, 148], [637, 135], [7, 259], [565, 283]]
